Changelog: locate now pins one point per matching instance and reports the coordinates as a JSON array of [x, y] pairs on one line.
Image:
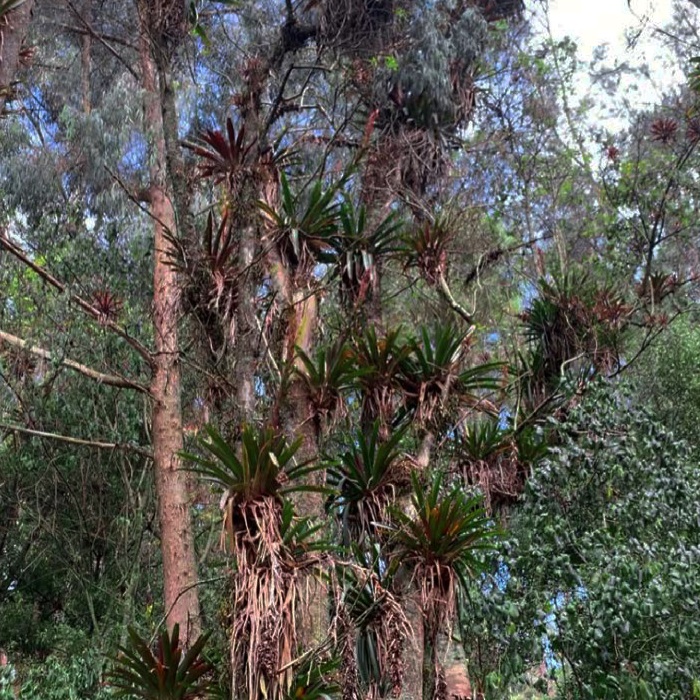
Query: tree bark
[[244, 371], [430, 636], [86, 61], [177, 541], [299, 423], [14, 28]]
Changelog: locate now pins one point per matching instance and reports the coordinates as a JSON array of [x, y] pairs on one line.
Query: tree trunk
[[86, 61], [247, 332], [299, 423], [430, 636], [13, 28], [177, 541]]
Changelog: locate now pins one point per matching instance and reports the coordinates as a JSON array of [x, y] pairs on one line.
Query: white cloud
[[594, 22]]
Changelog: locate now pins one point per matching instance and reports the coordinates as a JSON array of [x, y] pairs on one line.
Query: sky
[[592, 23]]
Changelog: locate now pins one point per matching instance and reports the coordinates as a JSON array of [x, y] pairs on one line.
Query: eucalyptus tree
[[157, 26]]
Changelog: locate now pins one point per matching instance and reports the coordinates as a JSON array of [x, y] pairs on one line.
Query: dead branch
[[78, 441], [86, 306], [446, 293], [99, 377]]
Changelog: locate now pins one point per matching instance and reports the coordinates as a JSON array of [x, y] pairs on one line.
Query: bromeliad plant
[[576, 323], [433, 371], [172, 673], [315, 679], [329, 376], [367, 478], [442, 544], [488, 455], [264, 467], [303, 224], [426, 248], [370, 626], [274, 552], [224, 157], [210, 273], [356, 250], [379, 359]]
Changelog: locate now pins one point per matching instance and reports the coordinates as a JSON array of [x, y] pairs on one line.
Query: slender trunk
[[13, 28], [413, 649], [299, 423], [86, 60], [430, 636], [419, 668], [262, 186], [297, 420], [177, 541], [244, 372]]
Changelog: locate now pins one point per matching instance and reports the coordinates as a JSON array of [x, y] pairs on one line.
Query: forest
[[347, 352]]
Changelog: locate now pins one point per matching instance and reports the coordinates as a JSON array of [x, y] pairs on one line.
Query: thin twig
[[101, 39]]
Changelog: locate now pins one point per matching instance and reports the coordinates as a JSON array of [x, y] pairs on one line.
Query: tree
[[610, 574], [343, 288]]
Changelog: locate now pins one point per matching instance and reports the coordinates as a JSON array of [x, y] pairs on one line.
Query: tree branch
[[493, 256], [102, 40], [99, 377], [86, 306], [446, 294], [78, 441]]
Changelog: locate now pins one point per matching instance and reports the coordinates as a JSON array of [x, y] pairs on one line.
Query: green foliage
[[433, 371], [437, 109], [305, 221], [265, 465], [433, 57], [666, 379], [357, 247], [173, 673], [60, 678], [448, 531], [575, 328], [379, 359], [314, 680], [299, 535], [328, 375], [483, 439], [605, 554], [367, 477]]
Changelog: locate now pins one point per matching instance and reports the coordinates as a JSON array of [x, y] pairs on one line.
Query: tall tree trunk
[[86, 60], [177, 541], [299, 423], [13, 29], [263, 186]]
